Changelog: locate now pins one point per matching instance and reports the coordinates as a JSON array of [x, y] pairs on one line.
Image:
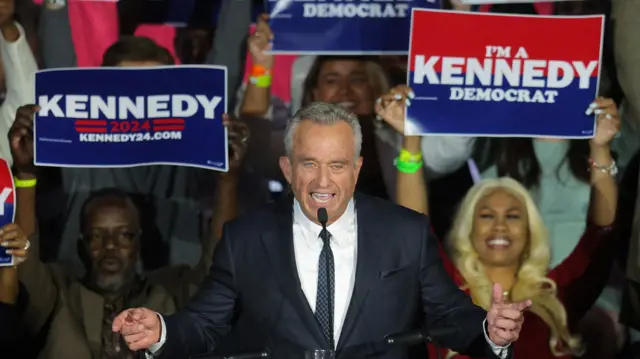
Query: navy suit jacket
[[252, 298]]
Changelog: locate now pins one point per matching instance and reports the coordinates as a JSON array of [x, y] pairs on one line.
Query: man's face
[[112, 237], [321, 170]]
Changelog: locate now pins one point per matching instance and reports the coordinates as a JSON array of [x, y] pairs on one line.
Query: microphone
[[265, 353], [420, 336], [323, 217]]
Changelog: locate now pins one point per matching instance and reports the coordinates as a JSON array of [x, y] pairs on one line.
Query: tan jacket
[[630, 311], [75, 313]]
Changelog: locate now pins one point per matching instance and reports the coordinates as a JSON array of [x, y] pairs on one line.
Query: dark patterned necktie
[[326, 288]]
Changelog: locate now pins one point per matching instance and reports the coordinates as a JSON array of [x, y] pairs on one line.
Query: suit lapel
[[370, 250], [278, 244]]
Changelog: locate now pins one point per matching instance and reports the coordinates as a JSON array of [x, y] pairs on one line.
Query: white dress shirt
[[307, 246]]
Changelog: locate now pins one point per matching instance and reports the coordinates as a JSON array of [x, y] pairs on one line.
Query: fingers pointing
[[497, 295]]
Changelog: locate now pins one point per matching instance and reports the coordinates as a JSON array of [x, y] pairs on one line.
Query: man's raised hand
[[504, 320], [140, 327]]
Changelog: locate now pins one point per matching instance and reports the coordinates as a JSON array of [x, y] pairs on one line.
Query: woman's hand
[[15, 241], [21, 142], [260, 42], [391, 107], [607, 121], [238, 137], [459, 6]]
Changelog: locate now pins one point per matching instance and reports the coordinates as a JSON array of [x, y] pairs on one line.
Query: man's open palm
[[504, 320], [140, 327]]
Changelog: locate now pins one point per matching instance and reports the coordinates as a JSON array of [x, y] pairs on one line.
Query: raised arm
[[35, 275], [56, 41], [225, 206], [441, 154], [256, 99], [411, 186], [604, 189], [582, 276]]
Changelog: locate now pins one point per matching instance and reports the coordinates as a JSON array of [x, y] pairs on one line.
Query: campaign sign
[[343, 27], [8, 209], [482, 2], [124, 117], [503, 75]]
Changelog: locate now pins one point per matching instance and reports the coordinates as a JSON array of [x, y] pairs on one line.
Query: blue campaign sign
[[124, 117], [7, 209], [343, 27], [506, 78]]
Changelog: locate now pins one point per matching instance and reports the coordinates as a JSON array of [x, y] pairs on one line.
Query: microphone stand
[[421, 336]]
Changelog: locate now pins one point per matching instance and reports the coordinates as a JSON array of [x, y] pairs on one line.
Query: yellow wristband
[[262, 81], [26, 183], [406, 156]]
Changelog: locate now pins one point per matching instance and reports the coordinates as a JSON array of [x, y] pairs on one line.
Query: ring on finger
[[27, 245]]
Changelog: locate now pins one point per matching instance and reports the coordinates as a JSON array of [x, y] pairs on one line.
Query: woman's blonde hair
[[531, 281]]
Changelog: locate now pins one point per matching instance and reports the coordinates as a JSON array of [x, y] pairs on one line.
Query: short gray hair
[[324, 114]]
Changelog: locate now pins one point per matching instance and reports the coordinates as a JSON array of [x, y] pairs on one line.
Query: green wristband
[[263, 81], [408, 167]]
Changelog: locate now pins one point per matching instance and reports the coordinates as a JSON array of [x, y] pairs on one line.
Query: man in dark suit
[[280, 281]]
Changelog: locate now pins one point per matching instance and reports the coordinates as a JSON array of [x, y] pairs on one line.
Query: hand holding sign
[[504, 320], [21, 141], [238, 137], [391, 107], [608, 123], [260, 42], [16, 243]]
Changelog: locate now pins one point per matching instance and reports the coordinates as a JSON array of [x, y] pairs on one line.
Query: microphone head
[[323, 217]]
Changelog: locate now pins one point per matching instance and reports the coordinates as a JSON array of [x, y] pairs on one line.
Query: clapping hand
[[504, 320]]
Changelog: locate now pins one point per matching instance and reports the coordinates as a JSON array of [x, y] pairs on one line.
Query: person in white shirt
[[327, 270], [19, 66]]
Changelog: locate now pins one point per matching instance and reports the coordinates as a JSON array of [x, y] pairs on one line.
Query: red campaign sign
[[463, 62], [7, 210], [464, 34]]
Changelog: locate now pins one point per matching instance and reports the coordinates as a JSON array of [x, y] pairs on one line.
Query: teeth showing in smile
[[345, 105], [322, 197], [498, 242]]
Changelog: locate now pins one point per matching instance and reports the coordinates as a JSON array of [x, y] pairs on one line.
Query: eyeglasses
[[120, 237]]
